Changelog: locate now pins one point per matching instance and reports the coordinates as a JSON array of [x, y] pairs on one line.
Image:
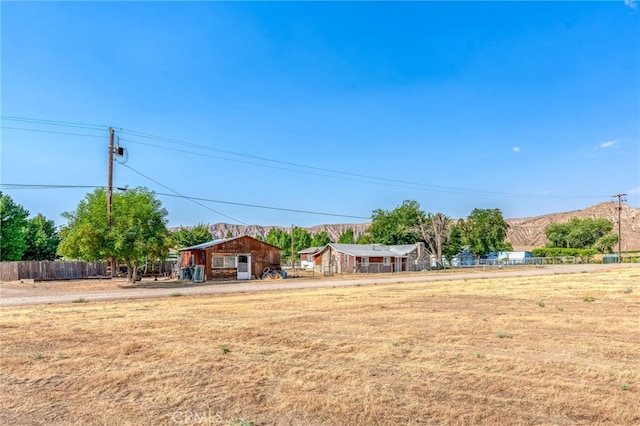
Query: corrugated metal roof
[[208, 244], [374, 250]]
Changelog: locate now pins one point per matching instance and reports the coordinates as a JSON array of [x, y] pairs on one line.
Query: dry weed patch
[[411, 353]]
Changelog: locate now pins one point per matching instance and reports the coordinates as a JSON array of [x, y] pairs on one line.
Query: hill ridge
[[524, 233]]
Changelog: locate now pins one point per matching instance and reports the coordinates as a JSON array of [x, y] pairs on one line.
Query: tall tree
[[190, 237], [301, 240], [435, 230], [365, 239], [579, 233], [42, 239], [605, 243], [279, 238], [347, 237], [398, 226], [85, 236], [455, 243], [320, 239], [13, 223], [485, 230], [138, 230]]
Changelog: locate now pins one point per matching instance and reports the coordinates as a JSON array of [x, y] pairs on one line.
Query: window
[[221, 262], [386, 261], [217, 262], [365, 260]]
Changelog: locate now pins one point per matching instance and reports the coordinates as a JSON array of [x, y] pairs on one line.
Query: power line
[[39, 186], [54, 122], [263, 165], [52, 131], [341, 174], [266, 207], [257, 206], [184, 196]]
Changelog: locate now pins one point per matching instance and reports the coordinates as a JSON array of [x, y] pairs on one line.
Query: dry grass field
[[561, 349]]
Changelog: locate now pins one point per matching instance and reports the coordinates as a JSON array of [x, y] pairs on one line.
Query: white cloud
[[635, 190], [516, 149], [607, 144], [630, 3]]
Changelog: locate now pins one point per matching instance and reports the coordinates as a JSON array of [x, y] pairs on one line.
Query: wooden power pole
[[110, 195], [620, 225]]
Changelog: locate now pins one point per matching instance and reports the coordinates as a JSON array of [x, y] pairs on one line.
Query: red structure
[[241, 258]]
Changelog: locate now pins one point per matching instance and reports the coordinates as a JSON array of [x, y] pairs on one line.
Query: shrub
[[503, 335]]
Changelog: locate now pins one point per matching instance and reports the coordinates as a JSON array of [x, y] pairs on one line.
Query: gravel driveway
[[34, 295]]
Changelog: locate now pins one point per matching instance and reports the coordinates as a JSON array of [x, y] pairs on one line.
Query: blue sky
[[327, 107]]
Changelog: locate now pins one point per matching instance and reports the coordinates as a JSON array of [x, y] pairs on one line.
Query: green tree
[[279, 238], [365, 239], [455, 243], [485, 230], [228, 234], [320, 239], [398, 226], [347, 237], [138, 231], [580, 233], [13, 223], [301, 240], [185, 237], [85, 235], [259, 237], [42, 239]]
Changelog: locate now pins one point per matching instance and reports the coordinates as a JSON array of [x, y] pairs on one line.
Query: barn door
[[244, 266]]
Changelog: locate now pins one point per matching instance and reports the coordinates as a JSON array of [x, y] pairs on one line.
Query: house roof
[[373, 250], [310, 250], [225, 240], [208, 244]]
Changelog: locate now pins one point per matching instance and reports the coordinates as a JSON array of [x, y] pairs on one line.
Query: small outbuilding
[[241, 258], [306, 257]]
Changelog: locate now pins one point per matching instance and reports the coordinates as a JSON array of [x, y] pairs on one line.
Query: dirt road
[[13, 294]]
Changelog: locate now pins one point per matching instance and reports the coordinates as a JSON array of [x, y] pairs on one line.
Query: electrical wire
[[341, 174], [264, 165], [257, 206], [184, 196], [54, 122], [38, 186], [54, 132], [267, 207]]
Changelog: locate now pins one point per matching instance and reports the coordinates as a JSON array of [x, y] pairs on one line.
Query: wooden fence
[[49, 270]]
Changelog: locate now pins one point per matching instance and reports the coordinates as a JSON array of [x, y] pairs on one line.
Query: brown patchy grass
[[481, 351]]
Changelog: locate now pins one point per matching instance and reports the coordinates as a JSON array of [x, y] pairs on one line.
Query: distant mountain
[[219, 230], [528, 233], [524, 233]]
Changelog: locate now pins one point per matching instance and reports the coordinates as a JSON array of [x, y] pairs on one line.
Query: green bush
[[560, 252]]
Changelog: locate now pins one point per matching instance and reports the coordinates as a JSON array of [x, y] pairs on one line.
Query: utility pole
[[620, 200], [110, 195], [292, 258]]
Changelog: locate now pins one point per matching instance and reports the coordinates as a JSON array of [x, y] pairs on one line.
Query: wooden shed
[[241, 258]]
